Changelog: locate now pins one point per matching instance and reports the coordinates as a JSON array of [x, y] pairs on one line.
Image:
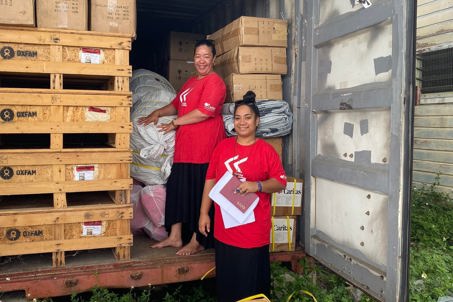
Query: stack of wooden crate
[[64, 142]]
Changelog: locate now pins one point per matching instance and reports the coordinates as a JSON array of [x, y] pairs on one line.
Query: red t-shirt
[[257, 162], [194, 143]]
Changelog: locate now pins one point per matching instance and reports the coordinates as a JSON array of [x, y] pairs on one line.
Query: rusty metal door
[[358, 100]]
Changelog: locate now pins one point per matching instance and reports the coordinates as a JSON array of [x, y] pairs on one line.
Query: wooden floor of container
[[35, 275], [140, 251]]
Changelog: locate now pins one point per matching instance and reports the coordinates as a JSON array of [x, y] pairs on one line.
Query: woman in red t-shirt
[[199, 128], [242, 252]]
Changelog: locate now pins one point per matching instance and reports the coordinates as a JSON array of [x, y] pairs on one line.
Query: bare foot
[[168, 242], [191, 248]]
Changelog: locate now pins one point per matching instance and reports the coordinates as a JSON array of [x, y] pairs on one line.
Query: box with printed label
[[65, 14], [283, 234], [181, 45], [179, 72], [244, 59], [114, 16], [18, 12], [265, 86], [277, 143], [289, 200], [251, 31]]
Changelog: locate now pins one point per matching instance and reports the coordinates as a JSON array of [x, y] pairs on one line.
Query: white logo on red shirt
[[183, 97], [209, 107], [235, 170]]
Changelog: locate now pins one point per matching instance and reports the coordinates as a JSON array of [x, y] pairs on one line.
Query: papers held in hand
[[237, 209]]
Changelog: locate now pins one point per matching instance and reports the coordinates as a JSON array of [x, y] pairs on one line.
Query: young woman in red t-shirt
[[242, 252], [199, 128]]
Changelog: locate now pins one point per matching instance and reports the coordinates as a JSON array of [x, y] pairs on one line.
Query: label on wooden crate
[[92, 228], [85, 172], [97, 114], [91, 55]]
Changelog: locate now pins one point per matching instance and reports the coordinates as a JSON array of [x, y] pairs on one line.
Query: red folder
[[241, 201]]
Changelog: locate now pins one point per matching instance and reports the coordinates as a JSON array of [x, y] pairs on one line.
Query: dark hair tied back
[[249, 97], [249, 100], [208, 43]]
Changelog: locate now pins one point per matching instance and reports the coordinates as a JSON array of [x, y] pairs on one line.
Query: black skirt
[[241, 273], [184, 191]]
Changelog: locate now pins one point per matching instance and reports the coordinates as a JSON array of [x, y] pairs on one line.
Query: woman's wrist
[[174, 124], [260, 186]]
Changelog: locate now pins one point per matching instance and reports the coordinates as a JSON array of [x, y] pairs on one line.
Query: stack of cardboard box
[[109, 16], [286, 206], [251, 55], [180, 57]]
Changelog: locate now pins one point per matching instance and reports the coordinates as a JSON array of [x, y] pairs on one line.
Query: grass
[[431, 267], [431, 251]]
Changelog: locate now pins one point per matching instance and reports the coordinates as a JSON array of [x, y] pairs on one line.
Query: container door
[[359, 61]]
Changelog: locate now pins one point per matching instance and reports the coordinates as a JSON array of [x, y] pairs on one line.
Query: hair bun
[[249, 96]]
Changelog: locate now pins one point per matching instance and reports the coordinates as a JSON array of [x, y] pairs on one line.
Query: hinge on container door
[[365, 3], [345, 106]]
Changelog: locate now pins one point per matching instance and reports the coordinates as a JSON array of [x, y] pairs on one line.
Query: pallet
[[61, 173], [57, 231], [59, 56], [61, 113]]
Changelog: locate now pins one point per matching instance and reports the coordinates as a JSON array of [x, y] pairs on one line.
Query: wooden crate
[[56, 231], [60, 173], [59, 113], [63, 56]]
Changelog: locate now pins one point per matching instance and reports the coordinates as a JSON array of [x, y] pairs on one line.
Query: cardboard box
[[66, 14], [265, 86], [289, 200], [251, 31], [114, 16], [283, 234], [181, 45], [244, 59], [179, 71], [277, 143], [17, 12]]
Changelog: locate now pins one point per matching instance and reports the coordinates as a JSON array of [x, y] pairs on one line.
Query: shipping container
[[349, 80]]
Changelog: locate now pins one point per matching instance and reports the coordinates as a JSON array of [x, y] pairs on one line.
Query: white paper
[[231, 215], [230, 222]]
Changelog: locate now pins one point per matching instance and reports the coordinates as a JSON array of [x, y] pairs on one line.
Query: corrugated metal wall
[[433, 123]]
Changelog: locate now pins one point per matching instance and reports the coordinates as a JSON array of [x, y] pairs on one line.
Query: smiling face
[[203, 60], [245, 121]]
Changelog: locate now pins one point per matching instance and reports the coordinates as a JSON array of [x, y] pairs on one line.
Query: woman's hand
[[153, 117], [168, 127], [247, 187], [204, 224]]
